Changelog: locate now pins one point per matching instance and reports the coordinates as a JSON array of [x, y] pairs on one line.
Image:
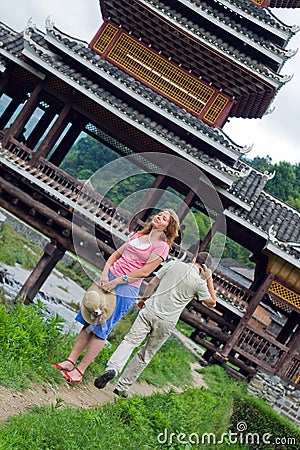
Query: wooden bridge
[[47, 197]]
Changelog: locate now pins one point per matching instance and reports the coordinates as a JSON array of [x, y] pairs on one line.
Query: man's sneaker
[[102, 381], [120, 393]]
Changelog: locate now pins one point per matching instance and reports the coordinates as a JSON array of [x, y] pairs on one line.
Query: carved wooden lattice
[[106, 37], [161, 74], [216, 108], [286, 294], [260, 2]]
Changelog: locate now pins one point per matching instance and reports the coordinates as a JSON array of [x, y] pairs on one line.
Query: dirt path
[[80, 396]]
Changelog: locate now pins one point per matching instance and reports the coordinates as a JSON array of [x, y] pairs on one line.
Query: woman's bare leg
[[82, 341], [94, 348], [95, 345]]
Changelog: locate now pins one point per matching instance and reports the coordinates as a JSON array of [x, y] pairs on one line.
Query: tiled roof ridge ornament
[[293, 28], [272, 237], [49, 24], [268, 175], [245, 172], [269, 111], [29, 26], [292, 51]]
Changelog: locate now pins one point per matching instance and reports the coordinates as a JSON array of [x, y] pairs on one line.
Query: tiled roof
[[269, 213], [75, 72], [250, 186], [263, 210], [36, 43], [249, 182], [262, 14], [284, 4]]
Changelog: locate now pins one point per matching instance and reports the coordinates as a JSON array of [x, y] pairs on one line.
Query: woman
[[123, 272]]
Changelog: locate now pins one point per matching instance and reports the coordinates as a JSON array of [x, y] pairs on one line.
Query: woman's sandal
[[59, 367], [68, 377]]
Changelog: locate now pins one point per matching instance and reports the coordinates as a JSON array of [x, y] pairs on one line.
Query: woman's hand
[[109, 285], [102, 280]]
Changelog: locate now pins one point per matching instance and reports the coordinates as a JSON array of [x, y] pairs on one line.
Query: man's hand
[[141, 304], [205, 271]]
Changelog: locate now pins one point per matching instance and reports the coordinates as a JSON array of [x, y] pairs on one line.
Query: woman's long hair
[[172, 230]]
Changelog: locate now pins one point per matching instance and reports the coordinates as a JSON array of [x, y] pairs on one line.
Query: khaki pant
[[145, 324]]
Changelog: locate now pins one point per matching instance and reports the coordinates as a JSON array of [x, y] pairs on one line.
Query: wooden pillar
[[205, 242], [66, 143], [286, 360], [184, 207], [40, 128], [247, 316], [288, 327], [52, 254], [24, 115], [51, 138], [3, 82], [9, 111], [149, 200]]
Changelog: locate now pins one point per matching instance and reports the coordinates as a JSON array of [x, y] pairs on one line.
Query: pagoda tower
[[156, 85]]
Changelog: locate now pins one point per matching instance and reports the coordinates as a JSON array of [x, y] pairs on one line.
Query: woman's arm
[[152, 263], [110, 262], [153, 283]]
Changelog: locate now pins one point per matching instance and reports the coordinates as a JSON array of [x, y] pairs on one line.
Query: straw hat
[[97, 305]]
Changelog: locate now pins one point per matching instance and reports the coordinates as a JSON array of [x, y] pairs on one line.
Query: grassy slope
[[30, 344]]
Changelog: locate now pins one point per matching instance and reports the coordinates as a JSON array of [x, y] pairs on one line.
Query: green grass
[[16, 249], [154, 422], [30, 343]]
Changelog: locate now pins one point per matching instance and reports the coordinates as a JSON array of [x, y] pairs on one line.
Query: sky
[[276, 135]]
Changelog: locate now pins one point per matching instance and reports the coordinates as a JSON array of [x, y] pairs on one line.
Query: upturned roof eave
[[275, 249]]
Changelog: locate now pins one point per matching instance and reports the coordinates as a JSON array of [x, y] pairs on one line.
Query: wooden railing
[[231, 291], [262, 350], [71, 188]]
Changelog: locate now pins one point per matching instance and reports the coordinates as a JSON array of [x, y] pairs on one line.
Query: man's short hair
[[204, 258]]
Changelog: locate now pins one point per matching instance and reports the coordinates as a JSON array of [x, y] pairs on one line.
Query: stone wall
[[282, 397]]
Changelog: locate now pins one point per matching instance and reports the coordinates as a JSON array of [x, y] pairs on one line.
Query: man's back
[[179, 283]]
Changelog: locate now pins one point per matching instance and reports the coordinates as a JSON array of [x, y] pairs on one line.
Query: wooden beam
[[212, 314], [66, 143], [184, 207], [40, 128], [195, 321], [205, 242], [288, 327], [9, 111], [91, 246], [286, 360]]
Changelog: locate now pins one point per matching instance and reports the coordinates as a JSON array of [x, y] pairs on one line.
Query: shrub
[[260, 419]]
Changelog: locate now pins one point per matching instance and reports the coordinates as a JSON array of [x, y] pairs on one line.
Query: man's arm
[[153, 283], [212, 300]]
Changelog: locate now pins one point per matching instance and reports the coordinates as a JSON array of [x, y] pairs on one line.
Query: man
[[177, 284]]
